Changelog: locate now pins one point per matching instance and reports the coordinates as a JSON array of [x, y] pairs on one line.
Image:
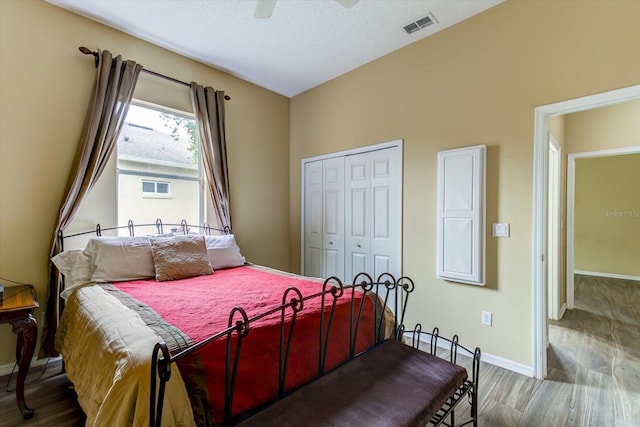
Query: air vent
[[420, 24]]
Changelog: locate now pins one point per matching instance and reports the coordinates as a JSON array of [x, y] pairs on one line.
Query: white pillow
[[76, 268], [120, 258], [223, 251]]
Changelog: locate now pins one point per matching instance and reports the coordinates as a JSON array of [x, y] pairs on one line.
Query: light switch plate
[[500, 229]]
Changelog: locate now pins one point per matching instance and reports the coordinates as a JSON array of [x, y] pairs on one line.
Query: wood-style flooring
[[593, 360]]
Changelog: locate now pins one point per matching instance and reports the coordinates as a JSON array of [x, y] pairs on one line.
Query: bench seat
[[390, 385]]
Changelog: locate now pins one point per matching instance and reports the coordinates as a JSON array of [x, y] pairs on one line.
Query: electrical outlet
[[487, 318]]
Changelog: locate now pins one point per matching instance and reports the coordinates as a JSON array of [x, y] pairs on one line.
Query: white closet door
[[386, 203], [333, 233], [373, 212], [358, 215], [352, 216], [313, 220], [461, 208]]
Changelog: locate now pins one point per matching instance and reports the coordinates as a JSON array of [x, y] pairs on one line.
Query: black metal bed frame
[[185, 228], [239, 324]]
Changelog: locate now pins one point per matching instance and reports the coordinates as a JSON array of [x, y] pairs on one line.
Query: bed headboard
[[158, 228], [183, 227]]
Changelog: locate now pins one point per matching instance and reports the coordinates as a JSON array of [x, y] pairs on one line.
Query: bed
[[125, 294]]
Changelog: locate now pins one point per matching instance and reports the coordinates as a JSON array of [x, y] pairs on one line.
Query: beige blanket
[[112, 335]]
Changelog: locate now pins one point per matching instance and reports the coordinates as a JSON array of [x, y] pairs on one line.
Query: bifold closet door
[[333, 216], [352, 214], [324, 218], [313, 265], [372, 211]]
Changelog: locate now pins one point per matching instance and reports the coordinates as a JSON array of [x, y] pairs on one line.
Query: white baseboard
[[609, 275], [563, 309], [498, 361], [6, 369]]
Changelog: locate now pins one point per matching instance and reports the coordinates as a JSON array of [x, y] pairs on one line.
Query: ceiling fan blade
[[347, 3], [264, 8]]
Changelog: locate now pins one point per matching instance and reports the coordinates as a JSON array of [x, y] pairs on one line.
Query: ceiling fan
[[264, 8]]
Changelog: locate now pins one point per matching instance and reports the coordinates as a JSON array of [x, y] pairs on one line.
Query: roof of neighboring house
[[147, 144]]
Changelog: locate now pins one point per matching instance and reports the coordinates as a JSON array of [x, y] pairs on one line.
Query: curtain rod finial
[[88, 51]]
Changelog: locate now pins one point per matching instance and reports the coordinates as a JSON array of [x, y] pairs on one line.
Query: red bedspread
[[200, 306]]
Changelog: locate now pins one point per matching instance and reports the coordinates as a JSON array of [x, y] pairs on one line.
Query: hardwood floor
[[51, 396], [594, 372]]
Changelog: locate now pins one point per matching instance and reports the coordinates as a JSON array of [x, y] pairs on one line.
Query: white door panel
[[358, 214], [313, 219], [353, 208], [333, 236], [461, 195]]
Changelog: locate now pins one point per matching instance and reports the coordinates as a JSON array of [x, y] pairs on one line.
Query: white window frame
[[200, 177], [155, 193]]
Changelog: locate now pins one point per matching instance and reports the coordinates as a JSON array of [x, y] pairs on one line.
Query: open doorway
[[541, 207], [608, 212]]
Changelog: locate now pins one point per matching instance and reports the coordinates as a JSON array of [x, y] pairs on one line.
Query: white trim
[[352, 151], [571, 187], [609, 275], [563, 310], [498, 361], [540, 170], [554, 259]]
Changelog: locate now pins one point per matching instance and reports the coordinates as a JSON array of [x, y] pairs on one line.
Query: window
[[152, 188], [158, 167]]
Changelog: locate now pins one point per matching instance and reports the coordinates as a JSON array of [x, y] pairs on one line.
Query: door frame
[[571, 188], [540, 198], [381, 146], [554, 259]]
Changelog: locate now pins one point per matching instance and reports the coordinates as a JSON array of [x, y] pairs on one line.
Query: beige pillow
[[179, 257]]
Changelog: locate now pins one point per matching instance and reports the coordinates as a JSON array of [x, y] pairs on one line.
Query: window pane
[[162, 188], [148, 187], [161, 150]]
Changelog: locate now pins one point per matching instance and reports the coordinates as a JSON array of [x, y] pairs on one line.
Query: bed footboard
[[365, 299]]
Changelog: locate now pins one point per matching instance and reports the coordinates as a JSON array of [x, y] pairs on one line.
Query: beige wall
[[596, 248], [475, 83], [607, 215], [45, 84]]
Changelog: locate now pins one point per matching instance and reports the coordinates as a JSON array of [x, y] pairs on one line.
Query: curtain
[[112, 92], [208, 107]]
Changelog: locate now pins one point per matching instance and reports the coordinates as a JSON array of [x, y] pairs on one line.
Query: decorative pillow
[[223, 251], [179, 257], [76, 268], [116, 259]]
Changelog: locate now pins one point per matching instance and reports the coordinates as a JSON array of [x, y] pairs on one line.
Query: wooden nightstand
[[17, 309]]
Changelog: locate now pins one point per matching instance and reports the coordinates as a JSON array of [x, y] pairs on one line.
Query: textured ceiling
[[303, 44]]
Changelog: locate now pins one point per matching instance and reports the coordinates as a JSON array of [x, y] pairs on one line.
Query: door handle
[[358, 246], [331, 243]]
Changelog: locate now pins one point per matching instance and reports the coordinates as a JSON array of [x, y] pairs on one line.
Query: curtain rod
[[88, 51]]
